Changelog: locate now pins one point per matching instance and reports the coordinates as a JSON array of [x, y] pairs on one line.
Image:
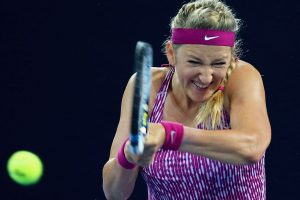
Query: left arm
[[250, 132]]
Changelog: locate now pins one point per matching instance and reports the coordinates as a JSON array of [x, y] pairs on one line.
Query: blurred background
[[63, 68]]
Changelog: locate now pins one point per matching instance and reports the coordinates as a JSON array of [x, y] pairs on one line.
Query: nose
[[206, 75]]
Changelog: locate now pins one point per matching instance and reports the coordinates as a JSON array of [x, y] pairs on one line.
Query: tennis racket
[[143, 61]]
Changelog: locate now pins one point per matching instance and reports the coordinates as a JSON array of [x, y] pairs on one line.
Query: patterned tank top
[[181, 175]]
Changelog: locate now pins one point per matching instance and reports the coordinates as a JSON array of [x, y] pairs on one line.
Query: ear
[[170, 53]]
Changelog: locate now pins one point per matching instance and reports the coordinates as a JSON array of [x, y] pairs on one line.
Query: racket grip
[[174, 135], [122, 158]]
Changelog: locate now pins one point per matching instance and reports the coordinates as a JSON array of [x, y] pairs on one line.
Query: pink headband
[[203, 36]]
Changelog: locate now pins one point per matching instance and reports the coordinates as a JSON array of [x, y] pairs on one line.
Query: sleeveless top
[[181, 175]]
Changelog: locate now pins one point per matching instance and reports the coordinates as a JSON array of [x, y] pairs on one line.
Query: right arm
[[118, 182]]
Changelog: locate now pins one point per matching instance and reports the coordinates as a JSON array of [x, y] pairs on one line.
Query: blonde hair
[[209, 14]]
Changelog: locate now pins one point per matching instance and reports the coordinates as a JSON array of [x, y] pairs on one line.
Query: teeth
[[200, 85]]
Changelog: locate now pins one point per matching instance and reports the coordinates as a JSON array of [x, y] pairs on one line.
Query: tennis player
[[209, 125]]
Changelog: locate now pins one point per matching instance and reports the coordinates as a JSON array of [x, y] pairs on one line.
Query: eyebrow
[[223, 58], [220, 59]]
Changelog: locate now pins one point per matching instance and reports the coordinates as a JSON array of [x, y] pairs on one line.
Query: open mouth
[[200, 86]]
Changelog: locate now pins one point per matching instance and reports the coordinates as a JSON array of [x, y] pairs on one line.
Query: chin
[[201, 93], [198, 98], [202, 97]]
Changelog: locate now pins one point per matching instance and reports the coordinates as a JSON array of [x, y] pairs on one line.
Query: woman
[[209, 125]]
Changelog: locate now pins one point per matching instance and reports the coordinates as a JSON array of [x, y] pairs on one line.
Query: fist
[[153, 142]]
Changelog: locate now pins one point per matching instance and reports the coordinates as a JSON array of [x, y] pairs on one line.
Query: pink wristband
[[122, 158], [174, 135]]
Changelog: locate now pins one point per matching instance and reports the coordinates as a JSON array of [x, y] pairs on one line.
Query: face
[[199, 69]]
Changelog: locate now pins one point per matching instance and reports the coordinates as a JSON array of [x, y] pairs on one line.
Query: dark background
[[63, 68]]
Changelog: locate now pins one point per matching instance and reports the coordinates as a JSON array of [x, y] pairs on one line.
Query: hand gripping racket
[[143, 61]]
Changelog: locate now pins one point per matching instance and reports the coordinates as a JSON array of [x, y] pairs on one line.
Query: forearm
[[118, 183], [231, 146]]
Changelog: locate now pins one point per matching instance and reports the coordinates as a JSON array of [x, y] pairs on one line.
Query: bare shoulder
[[158, 76], [244, 80], [244, 74], [244, 68]]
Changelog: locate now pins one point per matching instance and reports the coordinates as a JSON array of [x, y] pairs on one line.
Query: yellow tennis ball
[[25, 168]]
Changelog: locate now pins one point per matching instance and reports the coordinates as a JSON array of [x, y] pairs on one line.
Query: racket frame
[[143, 62]]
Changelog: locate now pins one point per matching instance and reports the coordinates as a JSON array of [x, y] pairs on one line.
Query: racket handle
[[136, 144]]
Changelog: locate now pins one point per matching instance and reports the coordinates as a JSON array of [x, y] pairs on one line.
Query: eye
[[194, 62], [219, 64]]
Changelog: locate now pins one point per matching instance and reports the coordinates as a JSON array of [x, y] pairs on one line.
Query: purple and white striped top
[[182, 175]]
